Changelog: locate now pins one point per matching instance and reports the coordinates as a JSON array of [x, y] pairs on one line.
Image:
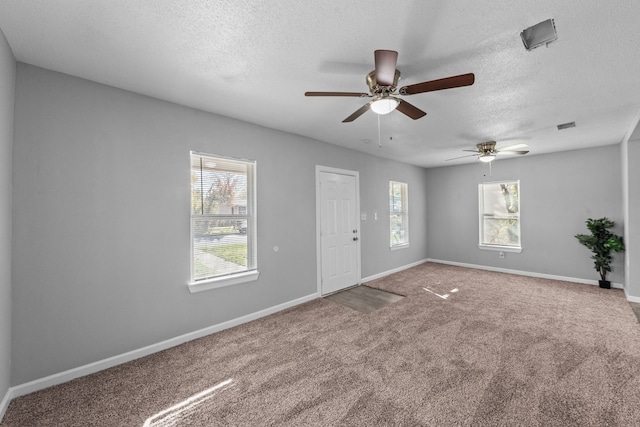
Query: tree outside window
[[222, 216], [500, 215], [398, 214]]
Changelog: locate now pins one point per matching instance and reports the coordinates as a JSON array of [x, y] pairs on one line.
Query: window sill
[[514, 249], [220, 282], [402, 246]]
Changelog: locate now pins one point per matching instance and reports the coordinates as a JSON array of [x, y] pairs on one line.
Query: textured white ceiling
[[254, 59]]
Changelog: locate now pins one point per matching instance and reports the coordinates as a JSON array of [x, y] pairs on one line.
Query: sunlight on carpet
[[443, 296], [176, 414]]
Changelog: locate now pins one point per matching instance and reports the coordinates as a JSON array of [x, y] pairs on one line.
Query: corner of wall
[[632, 290], [7, 105]]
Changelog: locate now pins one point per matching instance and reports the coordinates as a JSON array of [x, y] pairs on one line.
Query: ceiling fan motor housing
[[488, 147], [379, 90]]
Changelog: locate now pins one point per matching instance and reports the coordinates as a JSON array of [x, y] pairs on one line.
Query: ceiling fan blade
[[410, 110], [511, 152], [358, 113], [472, 151], [354, 94], [512, 147], [385, 66], [462, 157], [440, 84]]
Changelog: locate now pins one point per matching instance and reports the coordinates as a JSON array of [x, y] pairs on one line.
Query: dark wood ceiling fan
[[383, 82]]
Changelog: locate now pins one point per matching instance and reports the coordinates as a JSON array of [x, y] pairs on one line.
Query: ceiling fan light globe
[[384, 105], [486, 158]]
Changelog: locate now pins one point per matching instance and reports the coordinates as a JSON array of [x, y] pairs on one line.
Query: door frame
[[326, 169]]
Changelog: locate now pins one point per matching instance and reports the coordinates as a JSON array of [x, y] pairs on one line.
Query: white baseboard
[[395, 270], [524, 273], [630, 298], [51, 380], [5, 403]]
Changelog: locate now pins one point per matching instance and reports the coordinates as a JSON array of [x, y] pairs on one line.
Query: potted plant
[[602, 243]]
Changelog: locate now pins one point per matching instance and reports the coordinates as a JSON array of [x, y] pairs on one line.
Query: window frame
[[482, 214], [403, 212], [249, 215]]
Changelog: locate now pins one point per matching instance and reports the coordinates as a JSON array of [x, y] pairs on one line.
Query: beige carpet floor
[[500, 350], [635, 306]]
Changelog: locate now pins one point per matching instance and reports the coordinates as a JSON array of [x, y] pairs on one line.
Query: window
[[223, 222], [500, 216], [398, 214]]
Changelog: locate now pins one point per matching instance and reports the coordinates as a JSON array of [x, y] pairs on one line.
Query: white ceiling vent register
[[540, 34]]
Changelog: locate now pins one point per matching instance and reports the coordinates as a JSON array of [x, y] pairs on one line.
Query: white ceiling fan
[[487, 151]]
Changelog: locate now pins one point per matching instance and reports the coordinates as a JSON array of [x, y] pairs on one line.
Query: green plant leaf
[[602, 243]]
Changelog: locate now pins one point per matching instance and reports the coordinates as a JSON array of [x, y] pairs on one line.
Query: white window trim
[[221, 282], [514, 249], [489, 247], [246, 276], [399, 246]]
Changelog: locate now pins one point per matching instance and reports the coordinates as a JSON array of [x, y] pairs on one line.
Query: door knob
[[355, 231], [355, 238]]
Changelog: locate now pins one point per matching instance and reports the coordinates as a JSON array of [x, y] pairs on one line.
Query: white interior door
[[339, 231]]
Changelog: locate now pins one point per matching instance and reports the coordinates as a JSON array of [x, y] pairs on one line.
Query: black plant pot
[[605, 284]]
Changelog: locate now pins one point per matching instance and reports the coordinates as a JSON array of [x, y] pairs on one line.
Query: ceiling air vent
[[540, 34], [567, 125]]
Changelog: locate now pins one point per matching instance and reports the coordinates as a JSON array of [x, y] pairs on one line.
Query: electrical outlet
[[501, 255]]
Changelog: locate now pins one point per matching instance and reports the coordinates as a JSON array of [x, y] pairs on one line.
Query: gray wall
[[558, 193], [375, 199], [7, 86], [101, 220]]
